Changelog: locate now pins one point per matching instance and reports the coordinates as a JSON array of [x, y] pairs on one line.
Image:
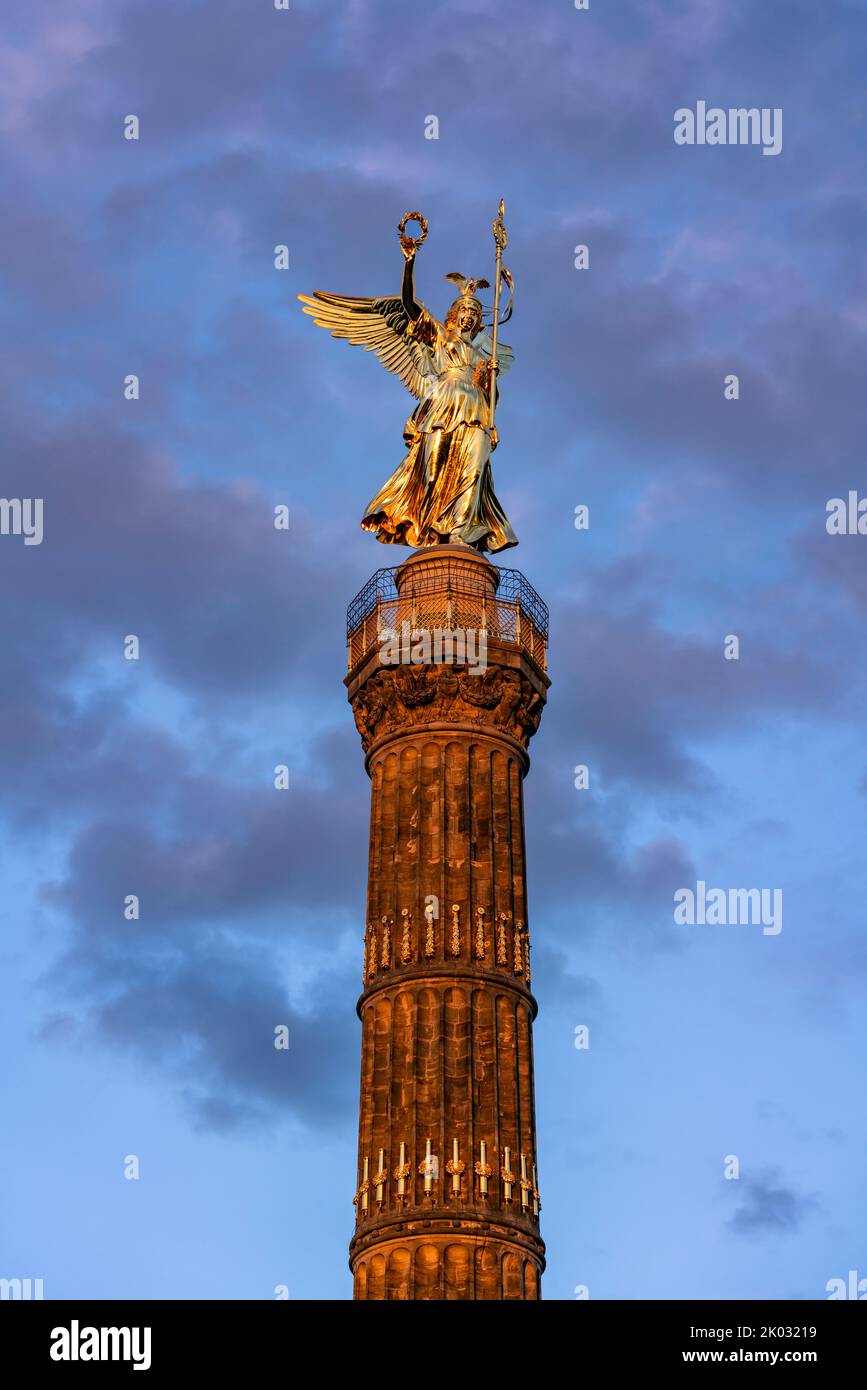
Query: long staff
[[500, 239]]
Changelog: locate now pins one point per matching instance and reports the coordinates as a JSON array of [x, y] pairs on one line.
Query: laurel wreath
[[414, 241]]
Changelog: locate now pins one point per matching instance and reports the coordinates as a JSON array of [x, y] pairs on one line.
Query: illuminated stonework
[[447, 1199]]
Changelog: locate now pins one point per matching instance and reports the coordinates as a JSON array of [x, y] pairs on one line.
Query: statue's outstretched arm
[[407, 291]]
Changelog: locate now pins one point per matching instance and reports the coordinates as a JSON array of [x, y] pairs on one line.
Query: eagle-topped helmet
[[467, 294]]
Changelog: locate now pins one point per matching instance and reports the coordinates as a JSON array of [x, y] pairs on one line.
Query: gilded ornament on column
[[526, 1185], [480, 933], [456, 1167], [502, 953], [518, 950], [380, 1178], [483, 1169], [401, 1173], [406, 937], [429, 1169], [385, 957], [429, 941], [371, 959], [507, 1177], [456, 930], [359, 1201]]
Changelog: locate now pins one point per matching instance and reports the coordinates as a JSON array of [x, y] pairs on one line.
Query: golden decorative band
[[383, 952], [428, 1170]]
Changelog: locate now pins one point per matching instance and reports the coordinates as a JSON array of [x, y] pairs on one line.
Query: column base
[[442, 1259]]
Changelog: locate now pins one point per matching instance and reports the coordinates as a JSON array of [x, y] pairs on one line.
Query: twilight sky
[[707, 518]]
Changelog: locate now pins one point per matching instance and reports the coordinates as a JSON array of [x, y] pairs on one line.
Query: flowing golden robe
[[443, 490]]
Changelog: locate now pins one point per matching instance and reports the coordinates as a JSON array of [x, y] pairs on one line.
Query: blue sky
[[154, 1038]]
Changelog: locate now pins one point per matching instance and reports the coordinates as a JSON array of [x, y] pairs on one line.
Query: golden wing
[[377, 325]]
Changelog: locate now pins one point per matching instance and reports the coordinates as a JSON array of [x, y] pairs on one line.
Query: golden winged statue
[[443, 490]]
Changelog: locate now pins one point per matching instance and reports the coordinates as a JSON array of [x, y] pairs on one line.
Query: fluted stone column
[[446, 1006]]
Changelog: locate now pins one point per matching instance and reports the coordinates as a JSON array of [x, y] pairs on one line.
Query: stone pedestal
[[446, 1006]]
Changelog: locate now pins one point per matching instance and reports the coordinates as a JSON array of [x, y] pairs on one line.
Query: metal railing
[[447, 600]]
